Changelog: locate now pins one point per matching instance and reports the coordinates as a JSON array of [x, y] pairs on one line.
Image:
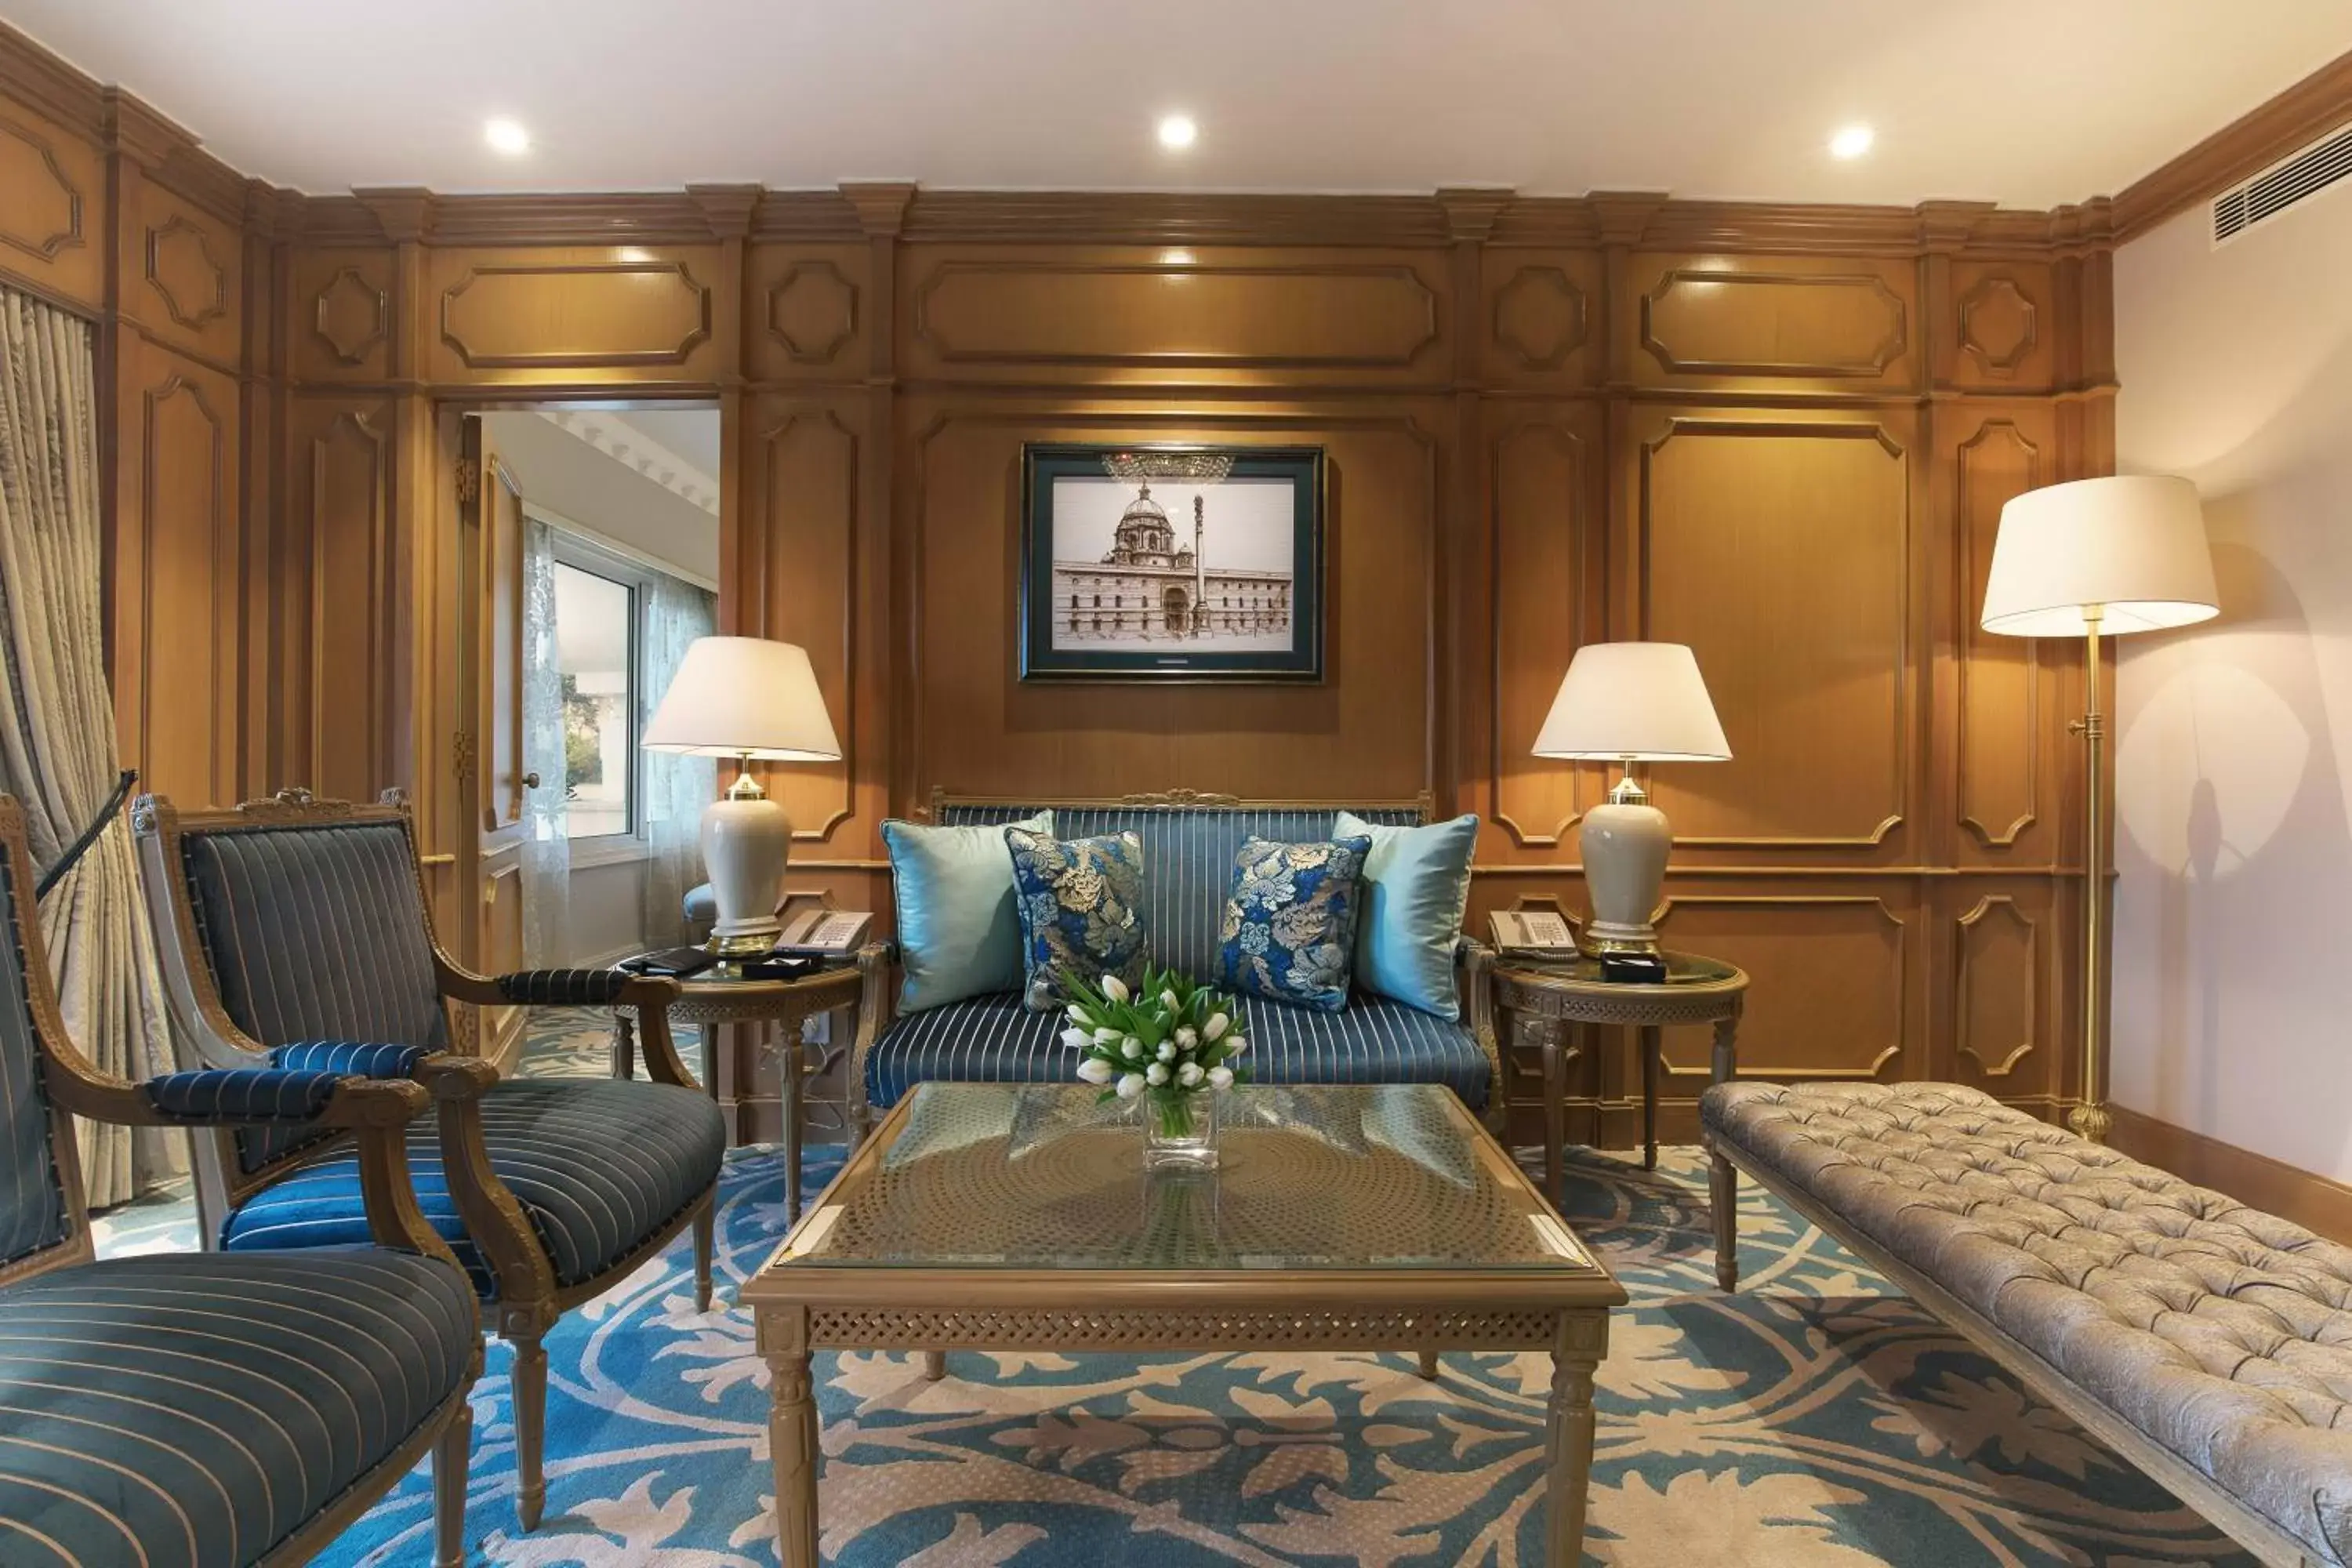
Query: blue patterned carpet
[[1815, 1418]]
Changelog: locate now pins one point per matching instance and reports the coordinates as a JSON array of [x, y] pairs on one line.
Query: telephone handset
[[1533, 931], [832, 932]]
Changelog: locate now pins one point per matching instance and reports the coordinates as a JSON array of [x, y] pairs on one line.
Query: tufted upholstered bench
[[2207, 1343]]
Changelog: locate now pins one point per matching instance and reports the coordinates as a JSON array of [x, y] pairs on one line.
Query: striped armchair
[[175, 1411], [296, 931], [1190, 842]]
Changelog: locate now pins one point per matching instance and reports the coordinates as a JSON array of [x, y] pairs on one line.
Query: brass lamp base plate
[[743, 944]]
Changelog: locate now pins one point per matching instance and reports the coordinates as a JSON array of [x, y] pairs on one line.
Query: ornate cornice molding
[[2317, 104], [629, 446]]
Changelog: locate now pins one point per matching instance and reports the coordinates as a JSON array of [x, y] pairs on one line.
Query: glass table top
[[1047, 1176], [1682, 968]]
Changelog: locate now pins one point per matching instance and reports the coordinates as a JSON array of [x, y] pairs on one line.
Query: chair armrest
[[1473, 963], [878, 1006]]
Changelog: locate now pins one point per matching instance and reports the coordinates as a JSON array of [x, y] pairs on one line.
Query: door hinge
[[469, 479], [461, 757]]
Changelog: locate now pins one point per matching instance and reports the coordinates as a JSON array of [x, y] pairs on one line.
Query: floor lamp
[[2090, 559]]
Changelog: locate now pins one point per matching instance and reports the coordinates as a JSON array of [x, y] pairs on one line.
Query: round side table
[[720, 1000], [1544, 997]]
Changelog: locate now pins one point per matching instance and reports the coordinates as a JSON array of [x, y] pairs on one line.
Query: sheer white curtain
[[546, 840], [56, 725], [675, 788]]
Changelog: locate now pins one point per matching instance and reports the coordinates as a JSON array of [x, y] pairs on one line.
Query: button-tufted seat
[[2221, 1333]]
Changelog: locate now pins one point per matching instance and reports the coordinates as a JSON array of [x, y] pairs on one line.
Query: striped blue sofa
[[1189, 846], [179, 1411]]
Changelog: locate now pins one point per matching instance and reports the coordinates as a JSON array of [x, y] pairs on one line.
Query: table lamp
[[1630, 702], [751, 699], [2087, 559]]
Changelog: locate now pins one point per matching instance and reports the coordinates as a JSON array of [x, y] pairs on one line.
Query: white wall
[[2234, 926]]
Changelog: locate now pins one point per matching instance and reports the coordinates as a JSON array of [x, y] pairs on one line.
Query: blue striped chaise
[[1188, 847], [294, 933], [208, 1412]]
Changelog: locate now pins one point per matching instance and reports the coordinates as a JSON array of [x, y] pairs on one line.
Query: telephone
[[1533, 931], [829, 932]]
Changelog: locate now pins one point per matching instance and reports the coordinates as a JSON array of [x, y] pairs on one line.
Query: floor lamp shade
[[2127, 552], [754, 700], [2088, 559], [1629, 702]]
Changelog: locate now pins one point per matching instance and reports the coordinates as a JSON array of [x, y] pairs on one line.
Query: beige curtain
[[57, 722]]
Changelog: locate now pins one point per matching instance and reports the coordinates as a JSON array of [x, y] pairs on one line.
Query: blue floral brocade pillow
[[1081, 905], [1290, 924]]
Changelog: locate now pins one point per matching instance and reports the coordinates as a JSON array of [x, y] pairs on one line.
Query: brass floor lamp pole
[[2089, 1117]]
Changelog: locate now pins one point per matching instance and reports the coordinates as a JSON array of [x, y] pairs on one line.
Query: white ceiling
[[2029, 102], [585, 484]]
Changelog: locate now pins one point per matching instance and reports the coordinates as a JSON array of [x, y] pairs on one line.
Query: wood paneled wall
[[1780, 433]]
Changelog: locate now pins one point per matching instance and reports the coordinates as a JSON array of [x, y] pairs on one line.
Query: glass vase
[[1180, 1128]]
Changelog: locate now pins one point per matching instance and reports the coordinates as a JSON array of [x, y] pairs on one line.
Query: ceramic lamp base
[[1624, 849], [747, 841]]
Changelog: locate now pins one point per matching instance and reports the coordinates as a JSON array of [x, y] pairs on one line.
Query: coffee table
[[1006, 1217]]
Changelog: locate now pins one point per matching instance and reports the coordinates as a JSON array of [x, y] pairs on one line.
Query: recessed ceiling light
[[1851, 142], [507, 136], [1177, 132]]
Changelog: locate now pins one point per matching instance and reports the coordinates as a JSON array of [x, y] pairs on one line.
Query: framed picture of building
[[1172, 563]]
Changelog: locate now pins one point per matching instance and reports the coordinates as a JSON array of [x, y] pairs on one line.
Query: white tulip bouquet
[[1165, 1040]]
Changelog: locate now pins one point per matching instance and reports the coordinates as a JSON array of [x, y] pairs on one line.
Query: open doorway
[[590, 552]]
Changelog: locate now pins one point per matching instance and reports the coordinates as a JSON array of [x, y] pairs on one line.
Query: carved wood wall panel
[[1998, 975], [571, 314], [185, 277], [1367, 733], [1543, 316], [1112, 315], [178, 594], [1548, 519], [342, 502], [342, 319], [2002, 749], [2003, 326], [1832, 984], [1838, 325], [52, 207], [1780, 550], [805, 493]]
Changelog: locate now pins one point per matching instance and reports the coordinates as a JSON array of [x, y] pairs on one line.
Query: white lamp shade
[[744, 696], [1639, 699], [2133, 545]]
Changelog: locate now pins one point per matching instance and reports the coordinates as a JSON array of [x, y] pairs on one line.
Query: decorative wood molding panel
[[1699, 320], [812, 311], [808, 464], [1178, 314], [351, 570], [1793, 536], [186, 585], [1998, 324], [350, 316], [1830, 991], [1542, 515], [1540, 317], [181, 269], [43, 213], [1997, 974], [1999, 695], [573, 314]]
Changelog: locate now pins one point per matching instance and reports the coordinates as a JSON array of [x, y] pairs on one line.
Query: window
[[595, 639]]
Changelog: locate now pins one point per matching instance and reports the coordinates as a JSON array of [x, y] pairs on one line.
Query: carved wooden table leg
[[1555, 1080], [791, 1068], [1651, 1040], [1429, 1364], [1583, 1340], [792, 1435], [935, 1365], [1722, 1177]]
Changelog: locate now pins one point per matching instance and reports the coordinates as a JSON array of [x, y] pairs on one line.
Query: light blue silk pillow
[[1416, 887], [958, 928]]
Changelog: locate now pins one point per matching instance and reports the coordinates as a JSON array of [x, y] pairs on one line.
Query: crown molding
[[2317, 104], [627, 445]]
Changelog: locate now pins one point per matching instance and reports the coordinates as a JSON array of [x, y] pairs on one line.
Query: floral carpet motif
[[1814, 1418]]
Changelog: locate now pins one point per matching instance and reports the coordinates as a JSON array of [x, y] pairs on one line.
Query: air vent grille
[[2283, 184]]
